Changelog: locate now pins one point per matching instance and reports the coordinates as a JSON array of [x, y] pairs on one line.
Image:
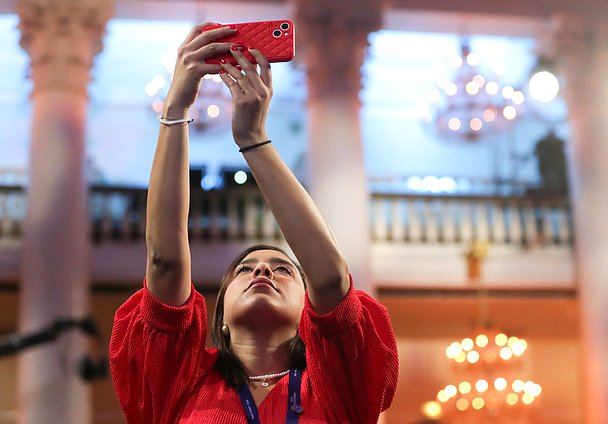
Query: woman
[[292, 346]]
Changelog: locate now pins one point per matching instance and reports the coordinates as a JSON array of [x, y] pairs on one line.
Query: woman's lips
[[261, 280]]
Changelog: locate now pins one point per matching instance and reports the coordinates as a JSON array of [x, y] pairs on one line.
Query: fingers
[[196, 30], [238, 83], [206, 37], [250, 71], [265, 72]]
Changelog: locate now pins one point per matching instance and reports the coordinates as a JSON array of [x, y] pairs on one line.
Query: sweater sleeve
[[157, 354], [352, 358]]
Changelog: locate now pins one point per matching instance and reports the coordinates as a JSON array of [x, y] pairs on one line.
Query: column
[[582, 53], [61, 37], [333, 39]]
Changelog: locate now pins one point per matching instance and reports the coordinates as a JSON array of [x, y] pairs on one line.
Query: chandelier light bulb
[[543, 86], [500, 384], [507, 92], [509, 112], [512, 399], [492, 88], [489, 115]]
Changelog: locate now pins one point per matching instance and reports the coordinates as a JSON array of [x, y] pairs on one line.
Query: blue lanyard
[[294, 404]]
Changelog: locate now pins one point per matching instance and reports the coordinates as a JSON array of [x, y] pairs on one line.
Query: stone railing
[[118, 216]]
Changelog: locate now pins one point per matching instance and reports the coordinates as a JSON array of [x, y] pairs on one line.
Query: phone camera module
[[276, 33], [285, 26]]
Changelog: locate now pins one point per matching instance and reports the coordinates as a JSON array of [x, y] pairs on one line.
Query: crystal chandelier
[[489, 387], [471, 104], [213, 106]]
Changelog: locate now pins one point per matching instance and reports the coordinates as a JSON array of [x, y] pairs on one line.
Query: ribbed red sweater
[[163, 374]]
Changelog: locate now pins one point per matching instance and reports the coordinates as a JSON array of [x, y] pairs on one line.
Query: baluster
[[379, 227], [249, 217], [5, 222], [431, 221], [481, 221], [397, 225], [498, 222], [448, 210], [233, 220], [563, 226], [269, 226], [214, 216], [415, 226], [529, 223], [106, 218], [466, 222], [515, 234]]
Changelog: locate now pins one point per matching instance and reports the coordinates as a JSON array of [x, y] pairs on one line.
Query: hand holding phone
[[274, 39]]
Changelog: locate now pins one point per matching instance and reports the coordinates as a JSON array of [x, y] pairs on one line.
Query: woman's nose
[[262, 269]]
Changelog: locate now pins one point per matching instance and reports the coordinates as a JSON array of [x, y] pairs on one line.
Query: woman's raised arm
[[299, 218], [168, 274]]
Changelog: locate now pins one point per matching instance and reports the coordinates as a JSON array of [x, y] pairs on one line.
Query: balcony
[[418, 241]]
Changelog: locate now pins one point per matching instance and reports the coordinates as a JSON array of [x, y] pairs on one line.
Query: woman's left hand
[[251, 93]]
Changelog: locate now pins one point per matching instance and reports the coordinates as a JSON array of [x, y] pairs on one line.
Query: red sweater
[[163, 374]]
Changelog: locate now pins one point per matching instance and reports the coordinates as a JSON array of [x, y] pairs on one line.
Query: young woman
[[292, 344]]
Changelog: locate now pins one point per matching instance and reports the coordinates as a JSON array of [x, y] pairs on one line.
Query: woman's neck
[[261, 353]]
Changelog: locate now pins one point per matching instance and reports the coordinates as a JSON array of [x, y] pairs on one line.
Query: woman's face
[[266, 289]]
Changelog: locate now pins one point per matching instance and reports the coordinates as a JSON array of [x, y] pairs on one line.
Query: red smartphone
[[274, 39]]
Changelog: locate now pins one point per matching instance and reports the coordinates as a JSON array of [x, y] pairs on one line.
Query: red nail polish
[[234, 47], [222, 60], [222, 71], [232, 26], [250, 47]]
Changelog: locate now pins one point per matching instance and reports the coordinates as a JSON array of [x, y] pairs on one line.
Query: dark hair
[[228, 364]]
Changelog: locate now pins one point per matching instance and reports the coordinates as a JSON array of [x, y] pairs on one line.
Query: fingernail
[[222, 71], [222, 60], [232, 26], [250, 47], [234, 47], [240, 45]]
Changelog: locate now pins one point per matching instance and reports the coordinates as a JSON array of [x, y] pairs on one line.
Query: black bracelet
[[254, 146]]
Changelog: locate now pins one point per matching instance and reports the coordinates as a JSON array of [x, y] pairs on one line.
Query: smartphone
[[274, 39]]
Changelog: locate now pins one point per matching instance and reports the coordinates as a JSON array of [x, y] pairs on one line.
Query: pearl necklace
[[265, 377]]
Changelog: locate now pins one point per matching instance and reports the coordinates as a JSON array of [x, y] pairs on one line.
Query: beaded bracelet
[[254, 146], [170, 122]]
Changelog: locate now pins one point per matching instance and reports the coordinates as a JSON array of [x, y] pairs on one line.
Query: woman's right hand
[[190, 67]]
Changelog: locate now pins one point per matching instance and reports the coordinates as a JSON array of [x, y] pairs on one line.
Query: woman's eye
[[283, 269], [243, 268]]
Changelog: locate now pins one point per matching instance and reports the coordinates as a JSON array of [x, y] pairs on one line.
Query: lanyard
[[294, 405]]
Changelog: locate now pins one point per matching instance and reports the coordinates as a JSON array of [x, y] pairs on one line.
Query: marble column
[[333, 37], [582, 54], [61, 37]]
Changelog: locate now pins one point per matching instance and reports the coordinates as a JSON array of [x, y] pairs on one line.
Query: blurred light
[[442, 396], [464, 387], [518, 386], [481, 340], [543, 86], [451, 390], [462, 404], [461, 357], [431, 409], [519, 347], [467, 344], [492, 87], [213, 111], [518, 97], [451, 89], [447, 184], [473, 59], [158, 81], [478, 403], [157, 106], [476, 124], [456, 62], [507, 92], [509, 112], [512, 399], [488, 115], [472, 88], [473, 357], [151, 89], [240, 177], [453, 350], [210, 182], [500, 384], [506, 353], [454, 124], [501, 339], [414, 183], [527, 398], [479, 80], [481, 385]]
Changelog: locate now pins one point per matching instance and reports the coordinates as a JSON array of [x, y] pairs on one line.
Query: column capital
[[334, 37], [62, 37]]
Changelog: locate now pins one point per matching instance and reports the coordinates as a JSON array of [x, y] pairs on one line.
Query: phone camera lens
[[285, 26], [276, 33]]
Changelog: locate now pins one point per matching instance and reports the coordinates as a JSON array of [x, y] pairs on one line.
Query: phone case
[[274, 39]]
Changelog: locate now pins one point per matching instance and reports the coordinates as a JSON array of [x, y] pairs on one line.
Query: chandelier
[[488, 387], [473, 102], [213, 106]]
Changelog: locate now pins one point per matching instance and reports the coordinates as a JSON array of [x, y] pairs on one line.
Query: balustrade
[[118, 215]]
